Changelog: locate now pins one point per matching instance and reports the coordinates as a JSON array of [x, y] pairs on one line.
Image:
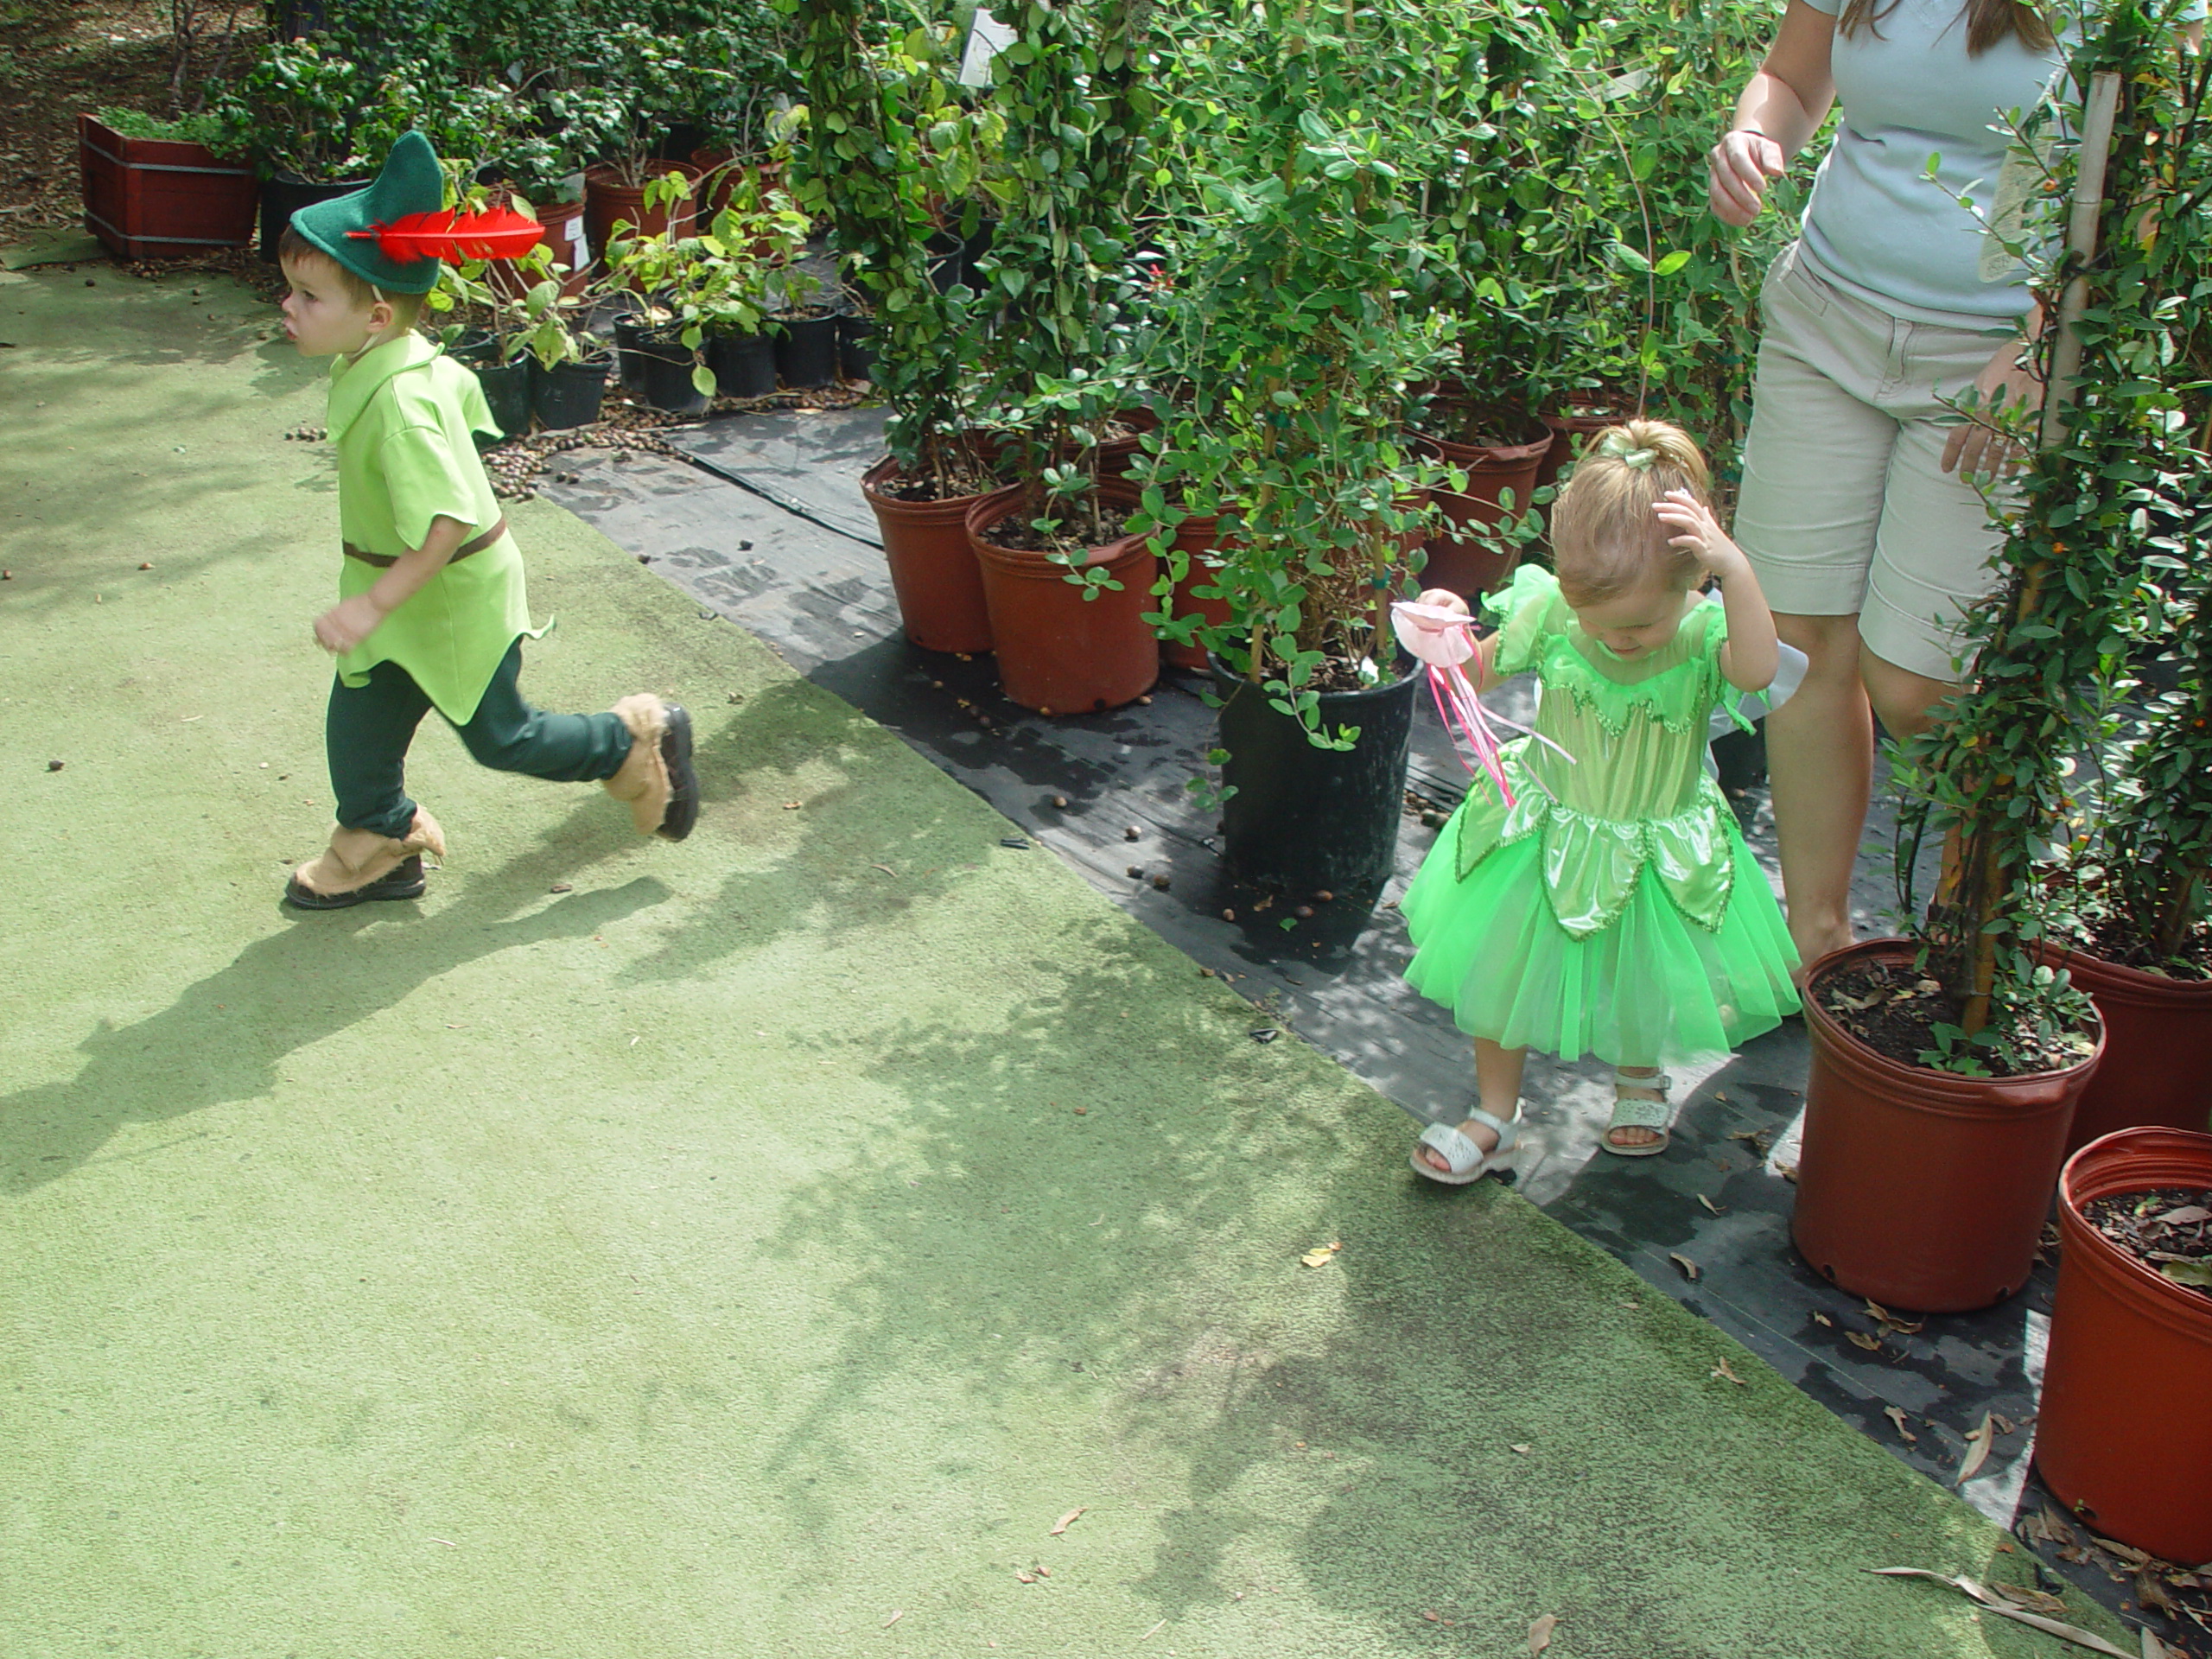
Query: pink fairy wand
[[1441, 639]]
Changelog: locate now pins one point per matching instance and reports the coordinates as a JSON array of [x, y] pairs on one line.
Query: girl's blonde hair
[[1606, 539]]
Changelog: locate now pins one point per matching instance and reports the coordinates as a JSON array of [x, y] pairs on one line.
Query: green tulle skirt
[[1654, 988]]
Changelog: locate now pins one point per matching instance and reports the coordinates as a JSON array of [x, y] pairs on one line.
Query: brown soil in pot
[[1894, 1010], [1018, 531], [2110, 939], [2167, 1230]]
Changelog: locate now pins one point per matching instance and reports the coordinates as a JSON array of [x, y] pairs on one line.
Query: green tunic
[[401, 417], [1613, 909]]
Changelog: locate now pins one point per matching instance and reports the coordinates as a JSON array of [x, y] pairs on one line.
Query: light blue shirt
[[1876, 225]]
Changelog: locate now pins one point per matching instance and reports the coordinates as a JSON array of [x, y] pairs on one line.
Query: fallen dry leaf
[[2003, 1424], [1723, 1373], [1843, 1004], [1690, 1269], [1066, 1521], [2153, 1594], [1896, 1415], [1872, 1344], [2049, 1626], [1710, 1204], [2186, 1214], [1433, 1618], [1819, 1318], [2036, 1601], [1978, 1444], [2154, 1649], [1540, 1633], [1524, 1449], [894, 1618], [1025, 1578], [1321, 1255], [2127, 1553], [2046, 1527]]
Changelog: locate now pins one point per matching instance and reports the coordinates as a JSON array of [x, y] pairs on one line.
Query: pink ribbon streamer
[[1441, 638]]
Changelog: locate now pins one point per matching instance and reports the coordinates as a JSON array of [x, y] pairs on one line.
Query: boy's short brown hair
[[292, 248]]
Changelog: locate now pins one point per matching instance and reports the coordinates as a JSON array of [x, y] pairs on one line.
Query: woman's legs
[[1497, 1083], [1821, 766]]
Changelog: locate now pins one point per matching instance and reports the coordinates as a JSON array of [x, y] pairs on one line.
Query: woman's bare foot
[[1814, 942]]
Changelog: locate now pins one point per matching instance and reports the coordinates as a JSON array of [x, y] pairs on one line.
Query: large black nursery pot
[[569, 394], [507, 389], [744, 365], [806, 351], [1304, 819], [666, 373], [855, 347], [284, 194]]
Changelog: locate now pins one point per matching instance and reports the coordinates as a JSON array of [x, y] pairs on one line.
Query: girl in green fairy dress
[[1612, 908]]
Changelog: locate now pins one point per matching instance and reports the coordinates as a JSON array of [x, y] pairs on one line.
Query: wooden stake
[[2082, 243]]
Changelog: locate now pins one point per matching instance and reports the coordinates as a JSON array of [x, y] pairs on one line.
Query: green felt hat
[[411, 182]]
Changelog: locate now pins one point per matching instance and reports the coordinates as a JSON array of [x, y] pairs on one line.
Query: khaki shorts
[[1845, 508]]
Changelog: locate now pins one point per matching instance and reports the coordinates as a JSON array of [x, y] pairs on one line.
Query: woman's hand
[[1737, 170], [1695, 528], [346, 624], [1973, 447]]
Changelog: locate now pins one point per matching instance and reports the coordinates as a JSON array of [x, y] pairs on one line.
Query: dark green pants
[[370, 727]]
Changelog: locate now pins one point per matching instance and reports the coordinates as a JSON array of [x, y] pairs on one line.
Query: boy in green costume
[[431, 610]]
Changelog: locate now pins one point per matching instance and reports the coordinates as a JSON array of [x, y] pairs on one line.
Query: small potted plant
[[659, 343], [731, 286], [159, 189], [299, 111]]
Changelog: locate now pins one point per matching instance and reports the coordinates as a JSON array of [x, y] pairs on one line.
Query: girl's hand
[[1737, 170], [2004, 384], [1445, 600], [346, 624], [1695, 528]]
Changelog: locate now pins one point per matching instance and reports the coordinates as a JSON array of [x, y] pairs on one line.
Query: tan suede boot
[[655, 778], [357, 860]]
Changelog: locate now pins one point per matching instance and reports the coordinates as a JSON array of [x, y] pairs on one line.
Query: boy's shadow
[[223, 1039]]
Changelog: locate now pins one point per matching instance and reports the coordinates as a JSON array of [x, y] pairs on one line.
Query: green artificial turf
[[753, 1247]]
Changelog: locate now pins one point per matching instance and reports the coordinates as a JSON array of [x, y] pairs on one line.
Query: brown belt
[[385, 561]]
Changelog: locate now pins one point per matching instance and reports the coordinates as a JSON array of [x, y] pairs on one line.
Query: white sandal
[[1630, 1113], [1468, 1162]]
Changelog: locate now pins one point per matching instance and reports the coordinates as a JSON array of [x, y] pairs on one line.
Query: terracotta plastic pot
[[720, 171], [606, 199], [1115, 453], [2158, 1065], [1568, 434], [1304, 819], [2124, 1431], [564, 230], [1196, 536], [1918, 1188], [1059, 652], [1456, 559], [933, 567]]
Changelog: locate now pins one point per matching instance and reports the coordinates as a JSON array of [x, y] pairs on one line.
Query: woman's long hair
[[1988, 22]]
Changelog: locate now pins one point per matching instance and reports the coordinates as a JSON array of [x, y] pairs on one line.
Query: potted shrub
[[1946, 1067], [299, 111], [1300, 349], [637, 82], [157, 189], [1065, 579], [2124, 1424], [883, 134], [2135, 925]]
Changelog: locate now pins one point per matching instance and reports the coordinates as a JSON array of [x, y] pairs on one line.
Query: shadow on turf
[[224, 1039]]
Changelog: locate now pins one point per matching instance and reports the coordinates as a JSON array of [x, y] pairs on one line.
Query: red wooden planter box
[[150, 199]]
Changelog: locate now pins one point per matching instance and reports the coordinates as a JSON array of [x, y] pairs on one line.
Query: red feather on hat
[[496, 233]]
